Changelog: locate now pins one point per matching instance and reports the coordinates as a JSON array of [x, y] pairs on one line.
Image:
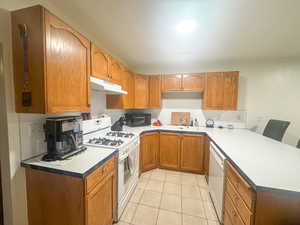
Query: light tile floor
[[164, 197]]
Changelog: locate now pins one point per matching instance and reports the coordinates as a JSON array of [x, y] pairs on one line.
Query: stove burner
[[106, 142], [120, 134]]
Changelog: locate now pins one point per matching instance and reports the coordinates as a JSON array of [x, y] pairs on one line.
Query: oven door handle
[[123, 157], [134, 147]]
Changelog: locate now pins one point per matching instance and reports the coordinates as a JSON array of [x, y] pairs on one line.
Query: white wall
[[272, 90], [14, 197]]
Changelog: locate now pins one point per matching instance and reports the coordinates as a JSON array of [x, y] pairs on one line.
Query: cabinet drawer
[[241, 186], [100, 173], [239, 203], [232, 212]]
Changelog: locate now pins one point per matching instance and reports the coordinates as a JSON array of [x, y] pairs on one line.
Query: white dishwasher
[[216, 179]]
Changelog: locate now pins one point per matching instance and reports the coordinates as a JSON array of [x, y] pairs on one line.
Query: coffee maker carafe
[[64, 137]]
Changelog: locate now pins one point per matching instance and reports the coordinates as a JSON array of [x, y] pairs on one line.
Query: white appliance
[[106, 86], [216, 179], [97, 133]]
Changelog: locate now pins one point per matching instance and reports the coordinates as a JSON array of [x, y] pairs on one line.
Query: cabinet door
[[141, 96], [155, 91], [99, 203], [169, 151], [231, 82], [67, 68], [192, 149], [128, 85], [123, 101], [149, 151], [206, 157], [214, 91], [193, 82], [99, 63], [116, 70], [171, 82]]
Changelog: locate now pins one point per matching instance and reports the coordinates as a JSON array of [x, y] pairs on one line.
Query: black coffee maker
[[64, 137]]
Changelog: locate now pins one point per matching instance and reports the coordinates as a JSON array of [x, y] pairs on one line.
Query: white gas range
[[97, 133]]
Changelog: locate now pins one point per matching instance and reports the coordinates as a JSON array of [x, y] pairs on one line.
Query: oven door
[[128, 174]]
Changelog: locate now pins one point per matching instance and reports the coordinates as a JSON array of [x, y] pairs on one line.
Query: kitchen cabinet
[[149, 151], [99, 63], [231, 82], [192, 152], [178, 151], [169, 150], [51, 64], [99, 203], [183, 82], [171, 82], [123, 101], [193, 82], [206, 157], [154, 91], [239, 201], [141, 91], [104, 66], [221, 91], [59, 199], [248, 206], [214, 91], [116, 70]]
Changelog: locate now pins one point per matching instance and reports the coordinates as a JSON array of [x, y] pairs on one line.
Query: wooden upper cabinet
[[169, 152], [141, 91], [51, 64], [67, 67], [104, 66], [149, 151], [214, 91], [128, 85], [155, 91], [123, 101], [172, 82], [193, 82], [116, 70], [192, 153], [231, 82], [99, 63], [221, 91]]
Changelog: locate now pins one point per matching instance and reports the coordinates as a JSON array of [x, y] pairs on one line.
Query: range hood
[[106, 87]]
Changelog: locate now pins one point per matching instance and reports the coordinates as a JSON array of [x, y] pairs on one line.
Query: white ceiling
[[143, 32]]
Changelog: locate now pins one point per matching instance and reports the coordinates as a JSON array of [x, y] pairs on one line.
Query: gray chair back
[[298, 145], [276, 129]]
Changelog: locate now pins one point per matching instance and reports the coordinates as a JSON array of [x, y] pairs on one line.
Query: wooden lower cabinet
[[206, 157], [59, 199], [99, 203], [175, 151], [169, 150], [191, 157], [245, 206], [149, 151]]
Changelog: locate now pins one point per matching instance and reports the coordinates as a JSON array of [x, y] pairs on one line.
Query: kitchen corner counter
[[265, 163], [79, 165]]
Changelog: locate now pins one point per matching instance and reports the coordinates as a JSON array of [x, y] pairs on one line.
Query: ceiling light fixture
[[186, 26]]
